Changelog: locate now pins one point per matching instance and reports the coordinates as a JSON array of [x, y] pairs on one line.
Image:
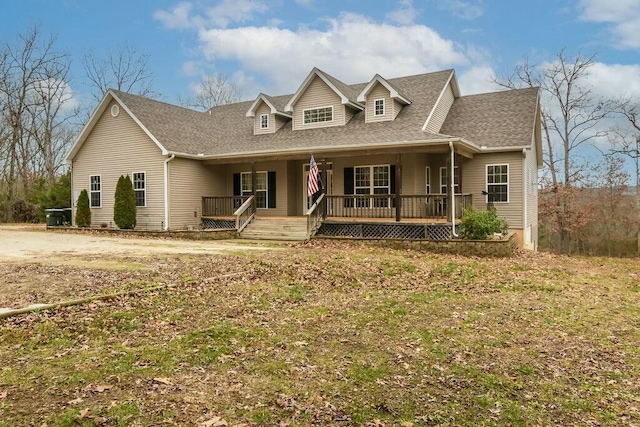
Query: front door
[[306, 201]]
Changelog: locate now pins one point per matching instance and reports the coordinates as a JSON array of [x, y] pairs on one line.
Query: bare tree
[[26, 66], [571, 116], [212, 91], [122, 69]]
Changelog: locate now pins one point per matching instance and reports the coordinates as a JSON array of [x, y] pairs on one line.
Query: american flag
[[312, 185]]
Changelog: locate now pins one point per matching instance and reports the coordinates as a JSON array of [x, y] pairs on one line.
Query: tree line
[[585, 206]]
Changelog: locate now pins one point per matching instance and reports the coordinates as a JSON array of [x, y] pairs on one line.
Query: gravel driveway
[[24, 242]]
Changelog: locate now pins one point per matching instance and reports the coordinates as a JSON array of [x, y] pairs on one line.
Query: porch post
[[324, 177], [253, 184], [398, 188], [450, 196]]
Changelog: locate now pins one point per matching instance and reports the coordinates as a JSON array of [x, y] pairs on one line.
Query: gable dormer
[[267, 117], [443, 104], [383, 101], [322, 101]]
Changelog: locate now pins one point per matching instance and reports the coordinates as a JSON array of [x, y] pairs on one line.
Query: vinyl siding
[[280, 168], [396, 108], [118, 146], [263, 109], [474, 178], [441, 110], [531, 204], [408, 169], [189, 181], [379, 92], [318, 95], [280, 121]]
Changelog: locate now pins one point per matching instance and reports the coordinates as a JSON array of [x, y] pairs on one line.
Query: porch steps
[[276, 229]]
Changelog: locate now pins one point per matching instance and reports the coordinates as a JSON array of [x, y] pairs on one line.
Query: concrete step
[[276, 229]]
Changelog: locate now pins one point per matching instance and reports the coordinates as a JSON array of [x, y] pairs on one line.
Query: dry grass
[[330, 334]]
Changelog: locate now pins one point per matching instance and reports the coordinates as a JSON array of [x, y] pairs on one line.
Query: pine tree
[[124, 208], [83, 213]]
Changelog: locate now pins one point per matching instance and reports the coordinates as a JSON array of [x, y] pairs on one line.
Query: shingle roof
[[507, 120], [497, 119]]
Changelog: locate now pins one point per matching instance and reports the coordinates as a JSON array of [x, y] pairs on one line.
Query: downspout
[[166, 191], [453, 194]]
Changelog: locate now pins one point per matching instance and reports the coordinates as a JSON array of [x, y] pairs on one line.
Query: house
[[385, 148]]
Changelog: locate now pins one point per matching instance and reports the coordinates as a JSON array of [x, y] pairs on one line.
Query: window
[[372, 180], [443, 180], [427, 180], [264, 121], [498, 183], [261, 187], [317, 115], [378, 109], [95, 191], [140, 188]]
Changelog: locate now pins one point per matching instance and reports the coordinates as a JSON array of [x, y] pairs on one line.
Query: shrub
[[478, 225], [124, 208], [83, 213], [24, 211]]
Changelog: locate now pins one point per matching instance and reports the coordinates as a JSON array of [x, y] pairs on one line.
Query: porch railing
[[221, 205], [315, 214], [245, 213], [427, 206]]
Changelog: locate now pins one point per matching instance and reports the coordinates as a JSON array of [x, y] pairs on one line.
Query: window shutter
[[236, 184], [348, 186], [271, 183]]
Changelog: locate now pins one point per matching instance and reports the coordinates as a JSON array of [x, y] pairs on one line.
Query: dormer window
[[379, 107], [264, 121], [317, 115]]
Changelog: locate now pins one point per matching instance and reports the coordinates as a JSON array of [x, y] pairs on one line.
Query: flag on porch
[[312, 183]]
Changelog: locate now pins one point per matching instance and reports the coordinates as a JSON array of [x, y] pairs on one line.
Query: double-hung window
[[372, 180], [497, 183], [318, 115], [443, 180], [261, 187], [378, 107], [427, 180], [264, 121], [140, 188], [95, 191]]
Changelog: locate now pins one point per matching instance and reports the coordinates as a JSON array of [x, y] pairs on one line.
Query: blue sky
[[270, 46]]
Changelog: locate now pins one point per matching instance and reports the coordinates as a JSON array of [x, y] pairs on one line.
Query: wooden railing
[[315, 214], [431, 206], [221, 205], [245, 213]]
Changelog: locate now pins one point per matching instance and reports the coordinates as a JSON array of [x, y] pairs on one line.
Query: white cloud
[[285, 57], [615, 80], [405, 14], [463, 9], [179, 17], [477, 79], [623, 15], [221, 15]]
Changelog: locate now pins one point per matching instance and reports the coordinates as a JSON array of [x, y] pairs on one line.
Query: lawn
[[325, 333]]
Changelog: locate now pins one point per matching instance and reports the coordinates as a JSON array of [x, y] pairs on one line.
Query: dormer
[[443, 104], [322, 101], [267, 117], [383, 101]]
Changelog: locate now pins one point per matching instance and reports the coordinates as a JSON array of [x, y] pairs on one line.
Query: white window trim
[[333, 115], [262, 127], [266, 188], [427, 179], [141, 189], [446, 184], [384, 107], [91, 191], [486, 181]]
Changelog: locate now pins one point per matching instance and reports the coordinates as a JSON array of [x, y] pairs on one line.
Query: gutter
[[453, 194], [166, 191]]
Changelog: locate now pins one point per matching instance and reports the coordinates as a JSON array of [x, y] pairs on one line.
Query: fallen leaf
[[102, 388], [214, 422], [406, 424], [85, 413], [75, 401], [3, 394], [163, 381]]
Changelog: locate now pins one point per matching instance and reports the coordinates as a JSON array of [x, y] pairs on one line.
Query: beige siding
[[118, 146], [318, 95], [441, 110], [474, 178], [282, 181], [263, 109], [280, 121], [396, 108], [379, 92], [189, 180]]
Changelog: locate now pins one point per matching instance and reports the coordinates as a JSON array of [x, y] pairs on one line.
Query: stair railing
[[245, 213], [315, 214]]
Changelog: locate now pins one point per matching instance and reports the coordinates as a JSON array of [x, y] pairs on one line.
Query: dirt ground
[[32, 242]]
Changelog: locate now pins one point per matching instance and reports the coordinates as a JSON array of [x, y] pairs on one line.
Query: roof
[[393, 91], [276, 105], [347, 94], [501, 119], [496, 119]]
